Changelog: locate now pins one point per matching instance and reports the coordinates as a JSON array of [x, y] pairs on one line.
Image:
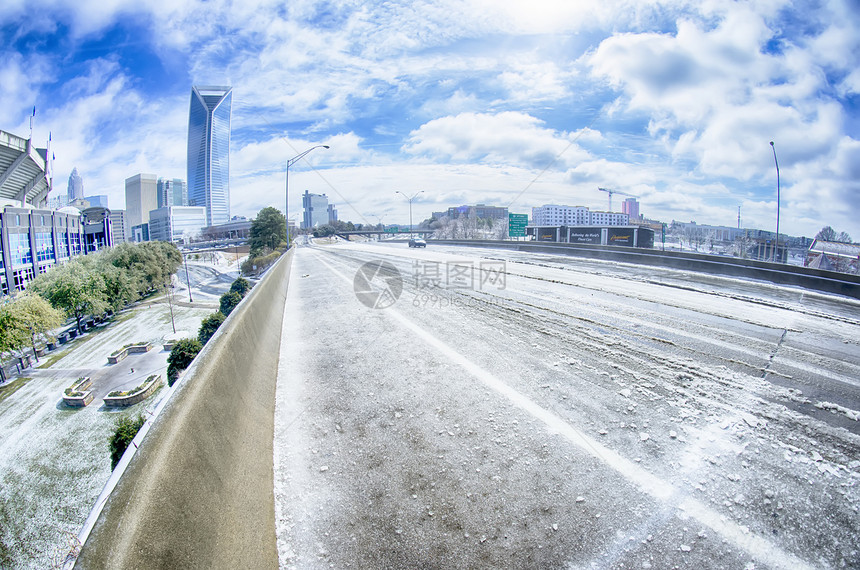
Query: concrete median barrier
[[198, 493], [779, 273]]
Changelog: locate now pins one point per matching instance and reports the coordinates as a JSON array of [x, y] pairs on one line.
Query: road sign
[[517, 225]]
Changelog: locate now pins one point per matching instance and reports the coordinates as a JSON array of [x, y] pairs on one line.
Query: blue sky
[[501, 102]]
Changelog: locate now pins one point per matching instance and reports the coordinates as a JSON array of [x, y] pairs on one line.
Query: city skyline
[[508, 104]]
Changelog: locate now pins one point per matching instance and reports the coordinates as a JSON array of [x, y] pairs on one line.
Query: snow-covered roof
[[835, 248]]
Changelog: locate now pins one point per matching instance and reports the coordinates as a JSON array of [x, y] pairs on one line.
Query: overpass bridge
[[197, 489], [401, 234]]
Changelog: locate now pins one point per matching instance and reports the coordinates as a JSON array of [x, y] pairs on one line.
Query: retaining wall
[[199, 491]]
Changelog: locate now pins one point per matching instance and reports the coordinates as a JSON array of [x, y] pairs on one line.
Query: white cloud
[[535, 82], [508, 137], [20, 81]]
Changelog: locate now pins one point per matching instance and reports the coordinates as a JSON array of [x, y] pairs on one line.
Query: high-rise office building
[[209, 151], [172, 192], [119, 231], [176, 223], [315, 210], [630, 206], [76, 186], [332, 213], [98, 200], [140, 198]]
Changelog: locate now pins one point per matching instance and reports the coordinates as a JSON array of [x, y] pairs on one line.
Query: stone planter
[[151, 385], [120, 354], [79, 397], [116, 357], [78, 401]]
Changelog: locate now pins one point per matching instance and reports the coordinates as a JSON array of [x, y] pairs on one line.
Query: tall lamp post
[[291, 162], [187, 279], [410, 207], [777, 201]]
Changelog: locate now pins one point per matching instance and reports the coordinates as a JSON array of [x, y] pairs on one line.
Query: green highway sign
[[517, 225]]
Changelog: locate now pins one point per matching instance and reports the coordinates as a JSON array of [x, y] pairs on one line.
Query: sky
[[499, 102]]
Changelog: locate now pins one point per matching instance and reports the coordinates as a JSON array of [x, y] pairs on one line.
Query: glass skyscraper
[[76, 186], [172, 192], [316, 210], [209, 151]]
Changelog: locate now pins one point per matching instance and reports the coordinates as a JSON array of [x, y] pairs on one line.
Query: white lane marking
[[756, 546]]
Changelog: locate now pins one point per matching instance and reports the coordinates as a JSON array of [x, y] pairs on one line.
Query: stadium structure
[[34, 237]]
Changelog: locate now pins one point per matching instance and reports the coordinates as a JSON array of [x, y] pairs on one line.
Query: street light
[[378, 223], [187, 280], [410, 207], [291, 162], [777, 201]]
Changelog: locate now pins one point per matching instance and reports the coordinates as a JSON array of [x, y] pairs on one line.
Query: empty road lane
[[490, 409]]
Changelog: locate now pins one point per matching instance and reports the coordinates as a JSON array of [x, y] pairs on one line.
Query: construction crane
[[611, 192]]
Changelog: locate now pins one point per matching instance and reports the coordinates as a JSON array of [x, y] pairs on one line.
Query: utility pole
[[777, 202], [410, 207]]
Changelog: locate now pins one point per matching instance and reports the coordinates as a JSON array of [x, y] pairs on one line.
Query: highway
[[480, 408]]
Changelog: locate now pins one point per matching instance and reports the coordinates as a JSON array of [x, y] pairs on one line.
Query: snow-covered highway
[[509, 410]]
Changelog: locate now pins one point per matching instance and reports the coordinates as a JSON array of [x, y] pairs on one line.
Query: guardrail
[[782, 274]]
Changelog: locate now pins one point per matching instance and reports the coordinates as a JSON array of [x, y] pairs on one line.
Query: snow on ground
[[588, 414], [54, 460]]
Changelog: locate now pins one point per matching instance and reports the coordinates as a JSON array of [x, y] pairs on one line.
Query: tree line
[[86, 285], [186, 349]]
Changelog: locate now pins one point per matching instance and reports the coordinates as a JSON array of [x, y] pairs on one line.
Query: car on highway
[[417, 242]]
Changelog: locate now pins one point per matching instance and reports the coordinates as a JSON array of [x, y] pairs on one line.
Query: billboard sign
[[547, 234], [517, 225], [585, 235], [646, 238], [620, 236]]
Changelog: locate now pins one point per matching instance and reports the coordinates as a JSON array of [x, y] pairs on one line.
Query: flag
[[49, 166]]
